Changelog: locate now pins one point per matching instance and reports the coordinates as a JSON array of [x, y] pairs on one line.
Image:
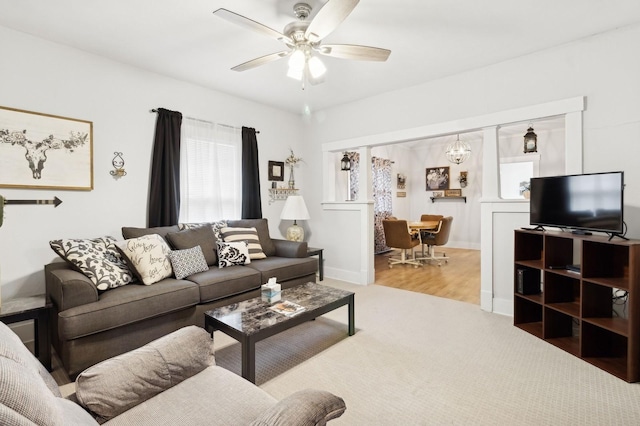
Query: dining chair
[[429, 218], [436, 238], [396, 234]]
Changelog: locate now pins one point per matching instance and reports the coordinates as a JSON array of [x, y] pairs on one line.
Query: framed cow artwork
[[44, 151]]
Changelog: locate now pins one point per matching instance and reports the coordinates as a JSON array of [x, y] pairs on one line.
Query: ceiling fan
[[304, 37]]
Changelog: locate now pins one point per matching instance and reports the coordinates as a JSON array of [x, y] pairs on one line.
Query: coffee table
[[252, 320]]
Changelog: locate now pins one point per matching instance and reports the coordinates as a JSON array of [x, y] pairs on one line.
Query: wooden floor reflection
[[459, 279]]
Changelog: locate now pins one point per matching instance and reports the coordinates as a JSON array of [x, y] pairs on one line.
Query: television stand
[[572, 310]]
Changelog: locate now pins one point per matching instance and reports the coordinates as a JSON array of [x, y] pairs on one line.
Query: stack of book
[[271, 292], [288, 308]]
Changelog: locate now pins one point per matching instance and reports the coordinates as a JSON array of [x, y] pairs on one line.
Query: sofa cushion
[[202, 236], [235, 253], [148, 257], [250, 235], [308, 407], [215, 226], [112, 387], [130, 232], [213, 397], [127, 305], [97, 259], [12, 347], [28, 393], [285, 268], [188, 262], [25, 394], [217, 283], [262, 226]]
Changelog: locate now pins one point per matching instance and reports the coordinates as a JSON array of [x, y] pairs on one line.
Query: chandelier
[[458, 151]]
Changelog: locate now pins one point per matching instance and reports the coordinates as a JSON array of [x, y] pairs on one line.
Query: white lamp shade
[[295, 209]]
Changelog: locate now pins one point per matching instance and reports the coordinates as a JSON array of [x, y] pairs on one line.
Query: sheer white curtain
[[210, 171]]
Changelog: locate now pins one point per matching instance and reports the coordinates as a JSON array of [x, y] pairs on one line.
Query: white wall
[[50, 78], [45, 77], [599, 68]]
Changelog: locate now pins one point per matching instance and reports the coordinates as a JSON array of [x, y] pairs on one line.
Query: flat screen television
[[586, 202]]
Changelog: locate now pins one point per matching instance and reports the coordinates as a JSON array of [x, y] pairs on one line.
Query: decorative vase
[[292, 182]]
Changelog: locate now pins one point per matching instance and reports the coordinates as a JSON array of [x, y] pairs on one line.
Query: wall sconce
[[118, 166], [402, 179], [458, 151], [463, 179], [345, 163], [530, 141], [345, 166]]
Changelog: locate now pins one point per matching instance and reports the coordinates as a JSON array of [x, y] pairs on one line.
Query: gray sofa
[[89, 326], [171, 381]]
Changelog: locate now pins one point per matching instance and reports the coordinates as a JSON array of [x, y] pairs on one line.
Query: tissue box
[[276, 297], [271, 292]]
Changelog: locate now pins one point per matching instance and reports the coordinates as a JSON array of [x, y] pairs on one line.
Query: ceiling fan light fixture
[[316, 67], [297, 60], [296, 74]]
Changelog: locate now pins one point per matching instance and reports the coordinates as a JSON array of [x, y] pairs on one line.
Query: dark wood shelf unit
[[575, 311], [463, 198]]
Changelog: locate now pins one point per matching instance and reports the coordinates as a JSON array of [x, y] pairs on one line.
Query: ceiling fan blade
[[353, 51], [261, 60], [328, 18], [243, 21]]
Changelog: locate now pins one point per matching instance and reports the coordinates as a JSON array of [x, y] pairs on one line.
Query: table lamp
[[295, 209]]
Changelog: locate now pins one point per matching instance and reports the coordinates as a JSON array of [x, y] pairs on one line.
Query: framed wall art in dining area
[[44, 151], [276, 170], [453, 193], [437, 178]]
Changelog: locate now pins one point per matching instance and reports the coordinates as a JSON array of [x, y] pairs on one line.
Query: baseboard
[[342, 275], [503, 307]]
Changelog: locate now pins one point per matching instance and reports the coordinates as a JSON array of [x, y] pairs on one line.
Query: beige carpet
[[422, 360]]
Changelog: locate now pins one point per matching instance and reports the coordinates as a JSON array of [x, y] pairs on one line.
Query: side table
[[311, 251], [34, 308]]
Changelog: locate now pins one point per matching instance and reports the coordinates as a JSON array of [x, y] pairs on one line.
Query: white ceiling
[[429, 39]]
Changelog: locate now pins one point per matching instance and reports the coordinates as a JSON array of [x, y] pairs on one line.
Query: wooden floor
[[458, 279]]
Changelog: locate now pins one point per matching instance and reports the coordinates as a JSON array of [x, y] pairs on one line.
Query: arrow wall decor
[[3, 201], [56, 201]]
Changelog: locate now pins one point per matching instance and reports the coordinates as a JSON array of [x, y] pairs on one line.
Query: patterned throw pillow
[[148, 257], [188, 262], [230, 254], [250, 235], [97, 259], [216, 226]]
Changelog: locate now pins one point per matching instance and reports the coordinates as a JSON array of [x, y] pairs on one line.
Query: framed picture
[[44, 151], [453, 193], [437, 178], [276, 170], [437, 194], [401, 194]]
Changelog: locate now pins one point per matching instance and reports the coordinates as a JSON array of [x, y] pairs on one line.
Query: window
[[210, 171], [515, 172]]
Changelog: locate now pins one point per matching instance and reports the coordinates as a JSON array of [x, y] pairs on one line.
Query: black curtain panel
[[251, 203], [164, 188]]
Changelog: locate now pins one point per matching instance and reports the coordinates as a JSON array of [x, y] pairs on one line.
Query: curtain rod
[[209, 122]]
